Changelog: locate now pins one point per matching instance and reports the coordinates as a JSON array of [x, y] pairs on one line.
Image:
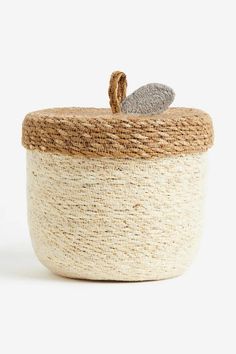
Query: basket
[[114, 195]]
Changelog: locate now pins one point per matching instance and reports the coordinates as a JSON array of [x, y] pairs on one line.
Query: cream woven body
[[115, 219]]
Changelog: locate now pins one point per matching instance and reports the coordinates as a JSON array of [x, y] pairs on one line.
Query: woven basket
[[114, 196]]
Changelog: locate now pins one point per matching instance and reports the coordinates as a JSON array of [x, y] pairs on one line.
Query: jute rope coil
[[95, 132]]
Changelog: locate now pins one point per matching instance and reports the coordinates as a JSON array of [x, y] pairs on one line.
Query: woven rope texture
[[95, 132], [115, 219]]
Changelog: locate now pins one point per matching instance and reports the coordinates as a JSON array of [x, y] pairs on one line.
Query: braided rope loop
[[117, 90]]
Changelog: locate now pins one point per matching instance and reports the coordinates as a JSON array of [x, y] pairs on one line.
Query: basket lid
[[105, 132], [98, 132]]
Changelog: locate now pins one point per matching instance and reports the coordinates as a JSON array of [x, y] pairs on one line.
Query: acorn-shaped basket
[[116, 194]]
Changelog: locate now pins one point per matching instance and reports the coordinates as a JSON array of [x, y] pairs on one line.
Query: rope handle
[[117, 90]]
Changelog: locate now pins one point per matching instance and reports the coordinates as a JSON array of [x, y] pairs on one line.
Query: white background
[[61, 53]]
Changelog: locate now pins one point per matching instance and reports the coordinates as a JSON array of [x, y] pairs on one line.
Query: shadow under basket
[[116, 196]]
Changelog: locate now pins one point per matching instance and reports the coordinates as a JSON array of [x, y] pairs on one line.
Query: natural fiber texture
[[115, 219], [117, 90], [93, 132], [148, 99]]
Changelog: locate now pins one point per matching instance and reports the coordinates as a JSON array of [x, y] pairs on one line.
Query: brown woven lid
[[109, 132], [94, 132]]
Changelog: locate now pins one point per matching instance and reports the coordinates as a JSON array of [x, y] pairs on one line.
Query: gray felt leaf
[[148, 99]]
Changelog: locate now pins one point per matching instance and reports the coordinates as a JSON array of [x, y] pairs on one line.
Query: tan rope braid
[[97, 132], [117, 90]]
